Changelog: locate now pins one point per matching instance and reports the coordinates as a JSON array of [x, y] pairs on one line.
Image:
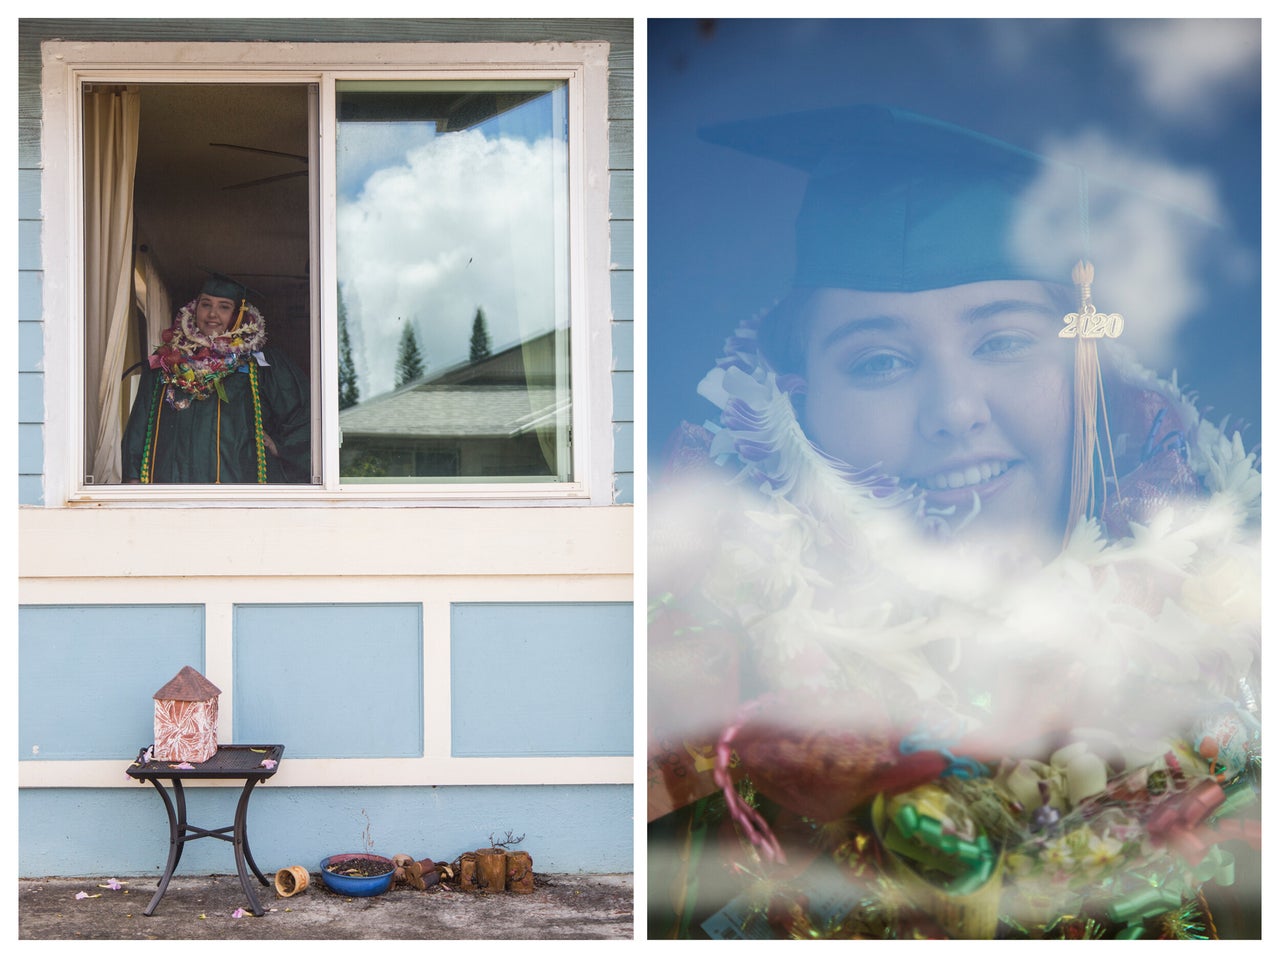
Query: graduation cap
[[221, 285], [901, 202]]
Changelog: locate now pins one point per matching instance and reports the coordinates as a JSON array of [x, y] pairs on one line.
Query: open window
[[180, 179]]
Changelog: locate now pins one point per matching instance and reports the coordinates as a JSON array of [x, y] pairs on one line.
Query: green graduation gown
[[196, 445]]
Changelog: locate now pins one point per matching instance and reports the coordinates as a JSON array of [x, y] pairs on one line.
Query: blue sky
[[1171, 106]]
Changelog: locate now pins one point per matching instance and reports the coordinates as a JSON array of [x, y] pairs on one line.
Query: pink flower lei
[[195, 363]]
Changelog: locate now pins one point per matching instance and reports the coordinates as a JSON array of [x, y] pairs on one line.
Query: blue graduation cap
[[221, 285], [901, 202]]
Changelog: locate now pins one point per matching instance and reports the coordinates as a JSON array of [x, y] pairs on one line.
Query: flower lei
[[1157, 599], [194, 364]]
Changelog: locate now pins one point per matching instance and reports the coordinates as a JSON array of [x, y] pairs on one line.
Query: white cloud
[[1145, 234], [1185, 67], [461, 222], [1014, 44]]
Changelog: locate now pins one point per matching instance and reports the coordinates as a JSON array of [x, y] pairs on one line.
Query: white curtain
[[110, 155], [159, 306]]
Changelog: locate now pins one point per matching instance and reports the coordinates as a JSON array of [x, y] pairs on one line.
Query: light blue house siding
[[330, 681], [342, 683], [566, 829]]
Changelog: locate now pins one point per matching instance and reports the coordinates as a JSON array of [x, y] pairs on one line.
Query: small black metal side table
[[229, 762]]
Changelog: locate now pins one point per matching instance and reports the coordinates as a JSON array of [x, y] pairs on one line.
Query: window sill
[[348, 496]]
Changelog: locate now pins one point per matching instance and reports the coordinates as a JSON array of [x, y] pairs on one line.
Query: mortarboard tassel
[[1089, 397]]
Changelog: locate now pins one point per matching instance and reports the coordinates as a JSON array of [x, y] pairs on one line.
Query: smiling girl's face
[[213, 314], [956, 391]]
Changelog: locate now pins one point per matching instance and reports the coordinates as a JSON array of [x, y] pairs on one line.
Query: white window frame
[[69, 65]]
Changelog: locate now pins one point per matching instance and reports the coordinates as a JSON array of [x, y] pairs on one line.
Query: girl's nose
[[954, 406]]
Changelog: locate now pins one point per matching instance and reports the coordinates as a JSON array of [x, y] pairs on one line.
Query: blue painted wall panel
[[622, 244], [624, 346], [30, 490], [622, 285], [30, 297], [330, 680], [622, 189], [29, 244], [30, 347], [623, 396], [30, 448], [562, 671], [623, 447], [30, 397], [28, 194], [624, 488], [86, 675], [567, 829]]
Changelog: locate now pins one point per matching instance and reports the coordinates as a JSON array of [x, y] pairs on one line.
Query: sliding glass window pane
[[453, 279]]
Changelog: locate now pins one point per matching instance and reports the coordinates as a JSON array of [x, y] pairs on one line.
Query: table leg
[[248, 857], [244, 833], [180, 799], [241, 844], [175, 843]]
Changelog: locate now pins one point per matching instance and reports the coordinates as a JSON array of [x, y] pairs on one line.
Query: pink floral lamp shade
[[186, 724]]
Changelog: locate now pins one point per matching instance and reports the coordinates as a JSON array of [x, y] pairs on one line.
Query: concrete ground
[[203, 907]]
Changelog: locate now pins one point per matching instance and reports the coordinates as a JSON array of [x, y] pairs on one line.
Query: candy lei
[[259, 445], [153, 424]]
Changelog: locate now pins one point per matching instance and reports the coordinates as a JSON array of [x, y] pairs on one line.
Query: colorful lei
[[193, 365]]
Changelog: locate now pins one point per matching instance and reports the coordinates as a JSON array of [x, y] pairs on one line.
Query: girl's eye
[[878, 366], [1005, 345]]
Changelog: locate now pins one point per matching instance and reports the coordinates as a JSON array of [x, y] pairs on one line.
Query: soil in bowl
[[359, 866]]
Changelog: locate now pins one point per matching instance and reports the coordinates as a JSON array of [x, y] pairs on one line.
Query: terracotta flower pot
[[291, 881]]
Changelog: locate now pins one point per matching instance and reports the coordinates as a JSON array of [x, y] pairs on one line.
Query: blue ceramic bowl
[[356, 885]]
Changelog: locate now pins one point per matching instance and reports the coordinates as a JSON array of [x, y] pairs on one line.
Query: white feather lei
[[825, 570]]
